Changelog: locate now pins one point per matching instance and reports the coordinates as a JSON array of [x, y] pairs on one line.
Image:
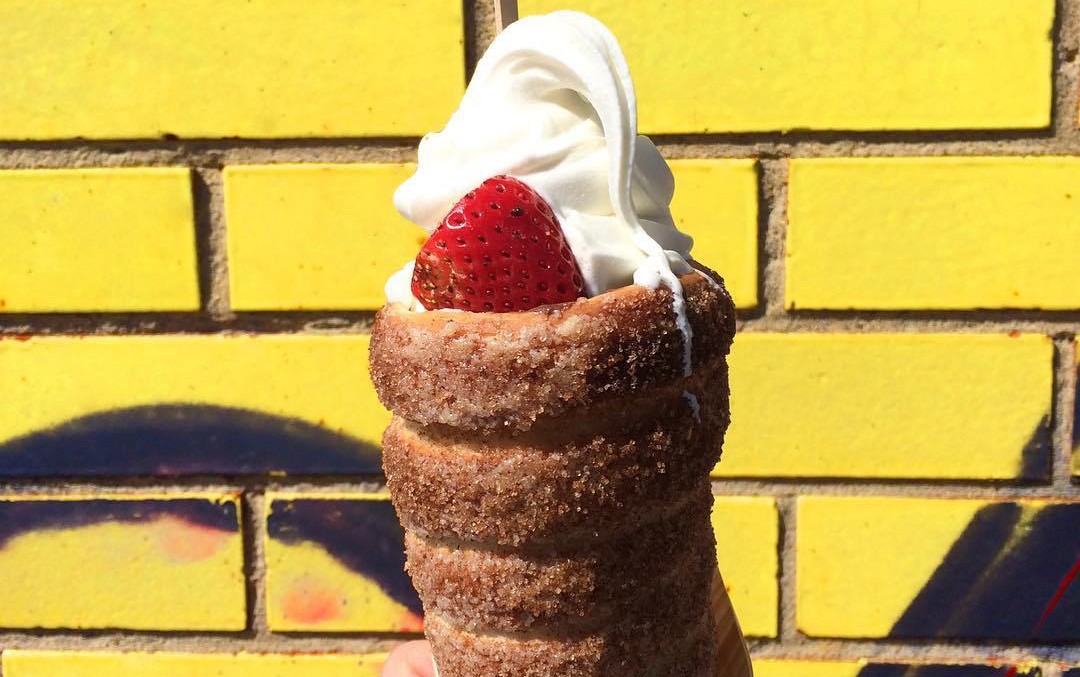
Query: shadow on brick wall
[[1006, 577]]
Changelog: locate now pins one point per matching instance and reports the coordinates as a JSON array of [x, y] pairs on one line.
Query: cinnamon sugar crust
[[476, 371], [551, 469], [556, 481], [559, 591], [682, 647]]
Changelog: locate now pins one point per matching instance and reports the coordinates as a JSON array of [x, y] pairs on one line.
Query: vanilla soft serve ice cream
[[551, 103]]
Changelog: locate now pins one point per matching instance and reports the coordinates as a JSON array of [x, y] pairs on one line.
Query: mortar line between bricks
[[891, 487], [890, 650], [255, 561], [1066, 83], [312, 322], [212, 212], [1061, 324], [484, 28], [1064, 327], [810, 648], [712, 146], [787, 628], [1064, 414], [774, 180], [205, 245], [134, 485], [472, 33], [851, 146], [202, 153], [198, 642], [329, 485]]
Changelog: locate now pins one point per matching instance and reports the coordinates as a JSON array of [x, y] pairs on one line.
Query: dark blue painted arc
[[185, 439]]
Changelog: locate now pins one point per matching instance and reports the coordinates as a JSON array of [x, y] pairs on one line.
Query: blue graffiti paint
[[364, 536], [18, 517], [185, 439]]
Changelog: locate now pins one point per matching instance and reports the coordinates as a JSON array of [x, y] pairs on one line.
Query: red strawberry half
[[499, 250]]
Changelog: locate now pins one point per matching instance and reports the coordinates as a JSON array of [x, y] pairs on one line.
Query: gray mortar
[[207, 157], [255, 534]]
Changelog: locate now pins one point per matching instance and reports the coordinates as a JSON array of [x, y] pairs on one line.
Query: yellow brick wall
[[195, 228]]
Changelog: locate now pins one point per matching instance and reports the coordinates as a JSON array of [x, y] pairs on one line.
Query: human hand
[[412, 659]]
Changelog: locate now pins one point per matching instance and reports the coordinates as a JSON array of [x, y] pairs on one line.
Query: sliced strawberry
[[500, 249]]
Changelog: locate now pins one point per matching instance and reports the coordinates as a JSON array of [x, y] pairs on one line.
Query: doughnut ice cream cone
[[555, 361]]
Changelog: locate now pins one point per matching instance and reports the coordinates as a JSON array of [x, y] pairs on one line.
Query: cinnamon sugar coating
[[476, 371], [551, 470], [584, 476], [567, 588], [682, 647]]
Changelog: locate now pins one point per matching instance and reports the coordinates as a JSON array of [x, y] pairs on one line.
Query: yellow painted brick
[[322, 380], [795, 668], [97, 239], [762, 65], [145, 562], [934, 233], [747, 533], [335, 563], [887, 405], [21, 663], [207, 68], [864, 562], [315, 236], [716, 202]]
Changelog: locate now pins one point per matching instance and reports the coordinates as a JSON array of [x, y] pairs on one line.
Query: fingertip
[[412, 659]]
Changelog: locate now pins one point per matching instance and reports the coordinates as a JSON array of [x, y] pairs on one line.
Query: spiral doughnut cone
[[551, 469]]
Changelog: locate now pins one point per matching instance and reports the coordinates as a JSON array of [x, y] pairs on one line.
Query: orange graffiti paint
[[310, 603], [184, 541]]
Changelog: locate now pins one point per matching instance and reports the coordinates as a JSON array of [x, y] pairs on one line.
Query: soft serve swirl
[[551, 103]]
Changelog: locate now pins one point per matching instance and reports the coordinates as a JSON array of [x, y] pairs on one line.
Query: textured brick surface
[[195, 230], [921, 568], [889, 405], [203, 68], [315, 236], [147, 562], [188, 405], [933, 233], [747, 531], [716, 202], [758, 65], [171, 664], [336, 563], [97, 239]]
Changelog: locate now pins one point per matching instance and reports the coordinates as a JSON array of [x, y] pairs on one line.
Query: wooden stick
[[506, 13]]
